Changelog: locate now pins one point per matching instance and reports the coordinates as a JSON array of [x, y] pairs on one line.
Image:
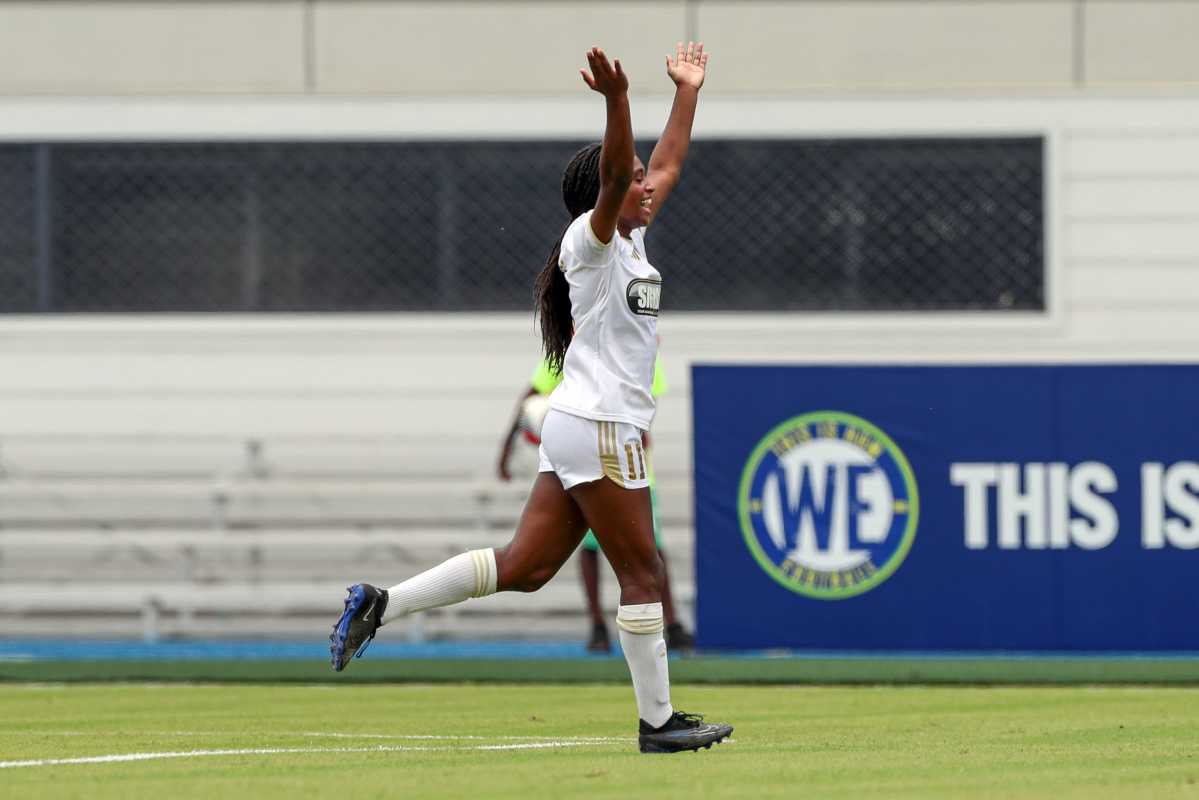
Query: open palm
[[689, 65], [607, 78]]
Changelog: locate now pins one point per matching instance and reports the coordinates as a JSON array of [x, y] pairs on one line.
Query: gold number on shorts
[[628, 451]]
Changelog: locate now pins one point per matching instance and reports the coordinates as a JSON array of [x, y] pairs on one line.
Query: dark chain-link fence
[[858, 224]]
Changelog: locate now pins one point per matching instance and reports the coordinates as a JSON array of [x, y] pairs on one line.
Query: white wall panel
[[486, 47], [1132, 240], [519, 47], [1106, 287], [1139, 334], [903, 44], [1136, 197], [399, 372], [243, 414], [1141, 42], [1168, 154], [156, 47]]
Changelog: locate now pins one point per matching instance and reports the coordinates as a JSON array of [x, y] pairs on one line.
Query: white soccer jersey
[[614, 294]]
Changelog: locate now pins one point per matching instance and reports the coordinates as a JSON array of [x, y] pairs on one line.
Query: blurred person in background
[[598, 300], [527, 421]]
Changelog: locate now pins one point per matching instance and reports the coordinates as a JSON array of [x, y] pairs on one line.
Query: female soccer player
[[598, 300]]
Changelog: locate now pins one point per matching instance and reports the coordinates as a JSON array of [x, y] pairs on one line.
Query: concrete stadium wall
[[1123, 280], [534, 47]]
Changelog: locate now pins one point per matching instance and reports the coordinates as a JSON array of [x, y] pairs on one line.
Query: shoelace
[[694, 719]]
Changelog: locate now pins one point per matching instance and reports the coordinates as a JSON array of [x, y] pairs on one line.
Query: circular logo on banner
[[828, 505]]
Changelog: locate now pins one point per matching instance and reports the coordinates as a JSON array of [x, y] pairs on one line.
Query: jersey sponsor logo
[[828, 505], [644, 296]]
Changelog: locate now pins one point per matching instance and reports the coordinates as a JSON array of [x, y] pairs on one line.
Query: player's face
[[637, 208]]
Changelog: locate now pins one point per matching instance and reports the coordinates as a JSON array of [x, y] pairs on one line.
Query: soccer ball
[[532, 416]]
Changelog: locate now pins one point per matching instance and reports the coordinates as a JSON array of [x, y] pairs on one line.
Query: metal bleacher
[[211, 536]]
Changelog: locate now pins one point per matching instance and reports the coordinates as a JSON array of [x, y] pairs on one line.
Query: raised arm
[[687, 70], [616, 157]]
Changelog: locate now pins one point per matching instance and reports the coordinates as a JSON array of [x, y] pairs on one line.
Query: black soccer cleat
[[681, 732], [678, 639], [358, 623], [599, 641]]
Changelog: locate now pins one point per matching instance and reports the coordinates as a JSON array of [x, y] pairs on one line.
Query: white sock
[[466, 575], [645, 651]]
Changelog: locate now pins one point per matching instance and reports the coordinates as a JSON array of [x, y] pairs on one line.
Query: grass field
[[566, 741]]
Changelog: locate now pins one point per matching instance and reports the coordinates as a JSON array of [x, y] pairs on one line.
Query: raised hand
[[608, 80], [689, 65]]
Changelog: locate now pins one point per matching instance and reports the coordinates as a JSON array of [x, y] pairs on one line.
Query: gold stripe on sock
[[641, 627], [477, 558], [487, 576]]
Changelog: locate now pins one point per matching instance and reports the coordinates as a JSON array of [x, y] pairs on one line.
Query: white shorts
[[580, 450]]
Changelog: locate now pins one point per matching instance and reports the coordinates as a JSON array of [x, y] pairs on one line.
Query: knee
[[534, 579], [515, 576], [648, 576]]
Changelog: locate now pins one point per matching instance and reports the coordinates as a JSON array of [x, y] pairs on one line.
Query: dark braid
[[580, 190]]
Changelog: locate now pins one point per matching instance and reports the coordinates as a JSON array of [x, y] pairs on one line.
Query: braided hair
[[580, 191]]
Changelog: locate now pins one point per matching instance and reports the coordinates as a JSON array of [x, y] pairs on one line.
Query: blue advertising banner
[[947, 508]]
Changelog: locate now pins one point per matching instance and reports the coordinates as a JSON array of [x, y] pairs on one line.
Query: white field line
[[260, 751], [339, 735], [581, 739]]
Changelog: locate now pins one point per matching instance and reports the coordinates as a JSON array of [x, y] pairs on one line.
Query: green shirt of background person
[[544, 381]]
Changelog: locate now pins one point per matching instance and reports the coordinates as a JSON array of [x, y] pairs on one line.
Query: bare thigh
[[550, 528], [623, 522]]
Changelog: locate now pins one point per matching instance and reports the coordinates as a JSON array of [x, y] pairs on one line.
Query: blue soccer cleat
[[358, 623]]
